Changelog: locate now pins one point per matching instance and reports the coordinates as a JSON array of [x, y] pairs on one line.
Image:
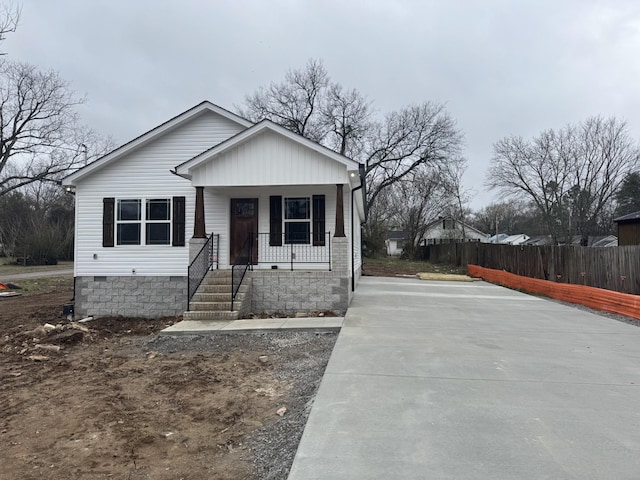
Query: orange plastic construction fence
[[598, 298]]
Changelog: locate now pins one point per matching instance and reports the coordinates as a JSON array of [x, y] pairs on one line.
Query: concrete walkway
[[446, 380], [209, 327]]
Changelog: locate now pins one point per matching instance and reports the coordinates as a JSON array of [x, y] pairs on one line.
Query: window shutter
[[108, 221], [178, 222], [318, 221], [275, 220]]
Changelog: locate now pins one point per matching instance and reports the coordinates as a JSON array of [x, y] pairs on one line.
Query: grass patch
[[392, 266], [34, 286], [6, 268]]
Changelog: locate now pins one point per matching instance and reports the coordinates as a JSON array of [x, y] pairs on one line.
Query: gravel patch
[[300, 359]]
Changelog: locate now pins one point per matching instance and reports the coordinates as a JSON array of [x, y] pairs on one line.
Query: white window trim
[[143, 222], [308, 220]]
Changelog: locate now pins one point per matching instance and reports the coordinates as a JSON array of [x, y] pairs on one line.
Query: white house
[[395, 242], [447, 229], [255, 196]]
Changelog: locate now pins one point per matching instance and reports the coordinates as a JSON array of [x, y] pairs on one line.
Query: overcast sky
[[503, 67]]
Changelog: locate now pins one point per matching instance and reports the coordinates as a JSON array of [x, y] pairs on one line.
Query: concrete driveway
[[444, 380]]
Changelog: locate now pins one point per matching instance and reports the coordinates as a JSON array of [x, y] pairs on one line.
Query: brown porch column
[[199, 229], [339, 212]]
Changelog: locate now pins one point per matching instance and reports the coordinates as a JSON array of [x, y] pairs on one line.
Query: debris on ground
[[9, 294], [451, 277], [148, 406]]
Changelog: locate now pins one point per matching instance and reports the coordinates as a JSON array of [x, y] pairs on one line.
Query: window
[[297, 220], [155, 223], [158, 228], [300, 216], [128, 228]]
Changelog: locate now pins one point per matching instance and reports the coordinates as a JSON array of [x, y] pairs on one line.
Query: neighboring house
[[539, 240], [629, 229], [449, 230], [395, 242], [250, 193], [505, 239], [517, 239]]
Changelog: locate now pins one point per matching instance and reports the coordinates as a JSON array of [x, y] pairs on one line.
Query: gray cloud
[[503, 67]]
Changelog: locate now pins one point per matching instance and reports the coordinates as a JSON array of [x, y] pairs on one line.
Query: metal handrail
[[242, 263], [203, 262]]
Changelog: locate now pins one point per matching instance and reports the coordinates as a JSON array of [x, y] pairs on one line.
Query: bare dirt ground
[[394, 266], [110, 399]]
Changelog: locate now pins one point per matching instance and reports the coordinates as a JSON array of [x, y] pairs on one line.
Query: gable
[[193, 132], [269, 158]]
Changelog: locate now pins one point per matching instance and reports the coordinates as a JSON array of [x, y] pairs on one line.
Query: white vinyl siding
[[269, 159], [218, 220], [143, 173]]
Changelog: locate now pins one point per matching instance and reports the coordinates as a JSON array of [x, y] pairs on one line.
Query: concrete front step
[[210, 315], [215, 297], [226, 288], [211, 306]]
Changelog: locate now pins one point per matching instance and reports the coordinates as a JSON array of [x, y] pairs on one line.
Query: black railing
[[204, 261], [290, 249], [243, 262]]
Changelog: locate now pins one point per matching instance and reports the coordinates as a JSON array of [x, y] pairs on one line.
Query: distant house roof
[[457, 222], [539, 240], [631, 217], [516, 239], [604, 241], [396, 235], [498, 238]]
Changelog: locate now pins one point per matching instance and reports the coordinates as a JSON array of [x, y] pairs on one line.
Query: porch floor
[[209, 327]]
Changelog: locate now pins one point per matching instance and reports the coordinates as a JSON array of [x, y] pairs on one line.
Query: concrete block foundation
[[131, 296]]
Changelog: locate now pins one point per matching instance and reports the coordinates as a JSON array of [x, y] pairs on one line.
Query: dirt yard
[[110, 399]]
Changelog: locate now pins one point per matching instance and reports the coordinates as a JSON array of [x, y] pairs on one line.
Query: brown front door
[[244, 223]]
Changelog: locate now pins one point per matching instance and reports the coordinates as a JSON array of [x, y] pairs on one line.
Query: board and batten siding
[[218, 205], [269, 159], [143, 173]]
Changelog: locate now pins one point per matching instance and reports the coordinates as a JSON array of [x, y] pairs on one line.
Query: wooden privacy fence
[[611, 268]]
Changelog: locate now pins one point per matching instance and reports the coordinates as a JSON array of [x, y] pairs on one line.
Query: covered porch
[[277, 204]]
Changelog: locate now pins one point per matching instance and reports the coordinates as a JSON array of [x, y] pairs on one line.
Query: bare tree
[[571, 175], [9, 18], [392, 149], [40, 135], [516, 216], [416, 201], [406, 141], [294, 103], [346, 116], [459, 197]]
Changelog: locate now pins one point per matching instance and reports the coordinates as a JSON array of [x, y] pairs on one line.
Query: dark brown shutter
[[108, 221], [178, 221], [275, 220], [318, 221]]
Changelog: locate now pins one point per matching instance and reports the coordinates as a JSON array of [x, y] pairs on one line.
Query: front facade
[[144, 211]]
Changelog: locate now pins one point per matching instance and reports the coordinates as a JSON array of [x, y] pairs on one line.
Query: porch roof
[[187, 168]]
